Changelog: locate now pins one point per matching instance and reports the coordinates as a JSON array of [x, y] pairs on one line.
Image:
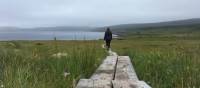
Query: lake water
[[48, 35]]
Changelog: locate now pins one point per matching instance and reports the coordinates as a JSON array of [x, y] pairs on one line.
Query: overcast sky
[[37, 13]]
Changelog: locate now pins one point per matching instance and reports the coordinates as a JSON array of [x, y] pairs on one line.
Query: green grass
[[31, 64], [163, 62]]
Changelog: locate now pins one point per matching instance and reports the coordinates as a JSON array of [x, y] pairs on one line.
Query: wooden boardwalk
[[114, 72]]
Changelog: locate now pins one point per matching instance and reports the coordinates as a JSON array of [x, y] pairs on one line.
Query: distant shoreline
[[46, 36]]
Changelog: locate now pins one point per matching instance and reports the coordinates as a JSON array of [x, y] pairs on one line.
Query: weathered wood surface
[[102, 77], [91, 83], [124, 70], [129, 84], [106, 69], [125, 76], [114, 72]]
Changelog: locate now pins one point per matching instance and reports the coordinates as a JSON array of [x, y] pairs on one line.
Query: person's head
[[108, 29]]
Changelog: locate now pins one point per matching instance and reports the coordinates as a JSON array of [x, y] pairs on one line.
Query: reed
[[36, 65], [164, 62]]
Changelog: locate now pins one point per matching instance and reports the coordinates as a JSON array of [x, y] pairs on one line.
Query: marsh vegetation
[[163, 61], [43, 64]]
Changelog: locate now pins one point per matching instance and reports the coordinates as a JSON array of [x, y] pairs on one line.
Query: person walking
[[108, 38]]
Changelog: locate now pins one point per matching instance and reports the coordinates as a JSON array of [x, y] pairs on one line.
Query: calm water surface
[[48, 35]]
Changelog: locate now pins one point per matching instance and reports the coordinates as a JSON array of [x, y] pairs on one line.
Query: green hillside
[[181, 26]]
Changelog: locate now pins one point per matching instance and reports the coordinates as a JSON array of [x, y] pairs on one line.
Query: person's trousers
[[108, 43]]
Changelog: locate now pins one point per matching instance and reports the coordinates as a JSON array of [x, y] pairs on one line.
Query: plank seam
[[115, 69]]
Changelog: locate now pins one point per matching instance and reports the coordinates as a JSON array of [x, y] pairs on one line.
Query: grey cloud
[[32, 13]]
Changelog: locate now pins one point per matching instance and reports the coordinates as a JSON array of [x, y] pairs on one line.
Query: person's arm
[[111, 35], [105, 36]]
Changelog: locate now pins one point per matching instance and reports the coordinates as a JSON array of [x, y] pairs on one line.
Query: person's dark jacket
[[108, 35]]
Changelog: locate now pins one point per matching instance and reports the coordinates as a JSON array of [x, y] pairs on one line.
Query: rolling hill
[[180, 26]]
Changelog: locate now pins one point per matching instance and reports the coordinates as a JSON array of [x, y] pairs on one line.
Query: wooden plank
[[106, 69], [102, 77], [125, 76], [90, 83], [129, 84], [114, 72], [125, 70]]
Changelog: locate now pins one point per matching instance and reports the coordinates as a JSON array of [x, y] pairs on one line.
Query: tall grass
[[33, 66], [164, 63], [168, 69]]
